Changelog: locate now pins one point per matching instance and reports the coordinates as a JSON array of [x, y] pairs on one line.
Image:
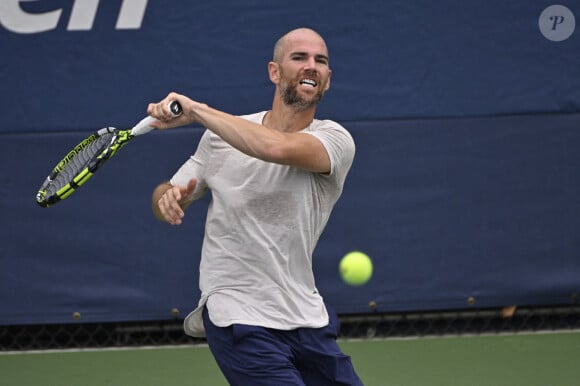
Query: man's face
[[304, 71]]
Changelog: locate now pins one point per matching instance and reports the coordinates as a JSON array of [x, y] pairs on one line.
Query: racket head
[[80, 164]]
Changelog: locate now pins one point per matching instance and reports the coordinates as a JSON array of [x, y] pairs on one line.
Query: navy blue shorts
[[251, 355]]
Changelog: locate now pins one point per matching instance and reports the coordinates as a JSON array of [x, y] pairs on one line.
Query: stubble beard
[[291, 97]]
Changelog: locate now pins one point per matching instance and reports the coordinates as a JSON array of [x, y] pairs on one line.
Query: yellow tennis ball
[[356, 268]]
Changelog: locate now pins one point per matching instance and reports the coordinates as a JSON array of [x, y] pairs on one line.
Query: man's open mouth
[[308, 82]]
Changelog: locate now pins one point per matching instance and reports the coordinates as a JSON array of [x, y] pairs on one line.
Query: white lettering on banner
[[131, 14], [83, 15], [15, 19]]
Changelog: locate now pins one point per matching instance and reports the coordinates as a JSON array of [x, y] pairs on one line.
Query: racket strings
[[86, 158]]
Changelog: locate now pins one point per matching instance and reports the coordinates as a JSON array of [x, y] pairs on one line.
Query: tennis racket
[[87, 157]]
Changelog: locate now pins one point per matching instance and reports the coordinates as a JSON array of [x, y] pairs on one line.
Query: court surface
[[545, 359]]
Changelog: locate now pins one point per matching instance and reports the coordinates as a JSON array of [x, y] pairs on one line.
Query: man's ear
[[274, 72], [328, 83]]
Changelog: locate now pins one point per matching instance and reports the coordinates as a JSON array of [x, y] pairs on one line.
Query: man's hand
[[165, 118], [169, 202]]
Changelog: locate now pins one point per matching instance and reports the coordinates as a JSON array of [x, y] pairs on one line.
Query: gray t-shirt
[[263, 223]]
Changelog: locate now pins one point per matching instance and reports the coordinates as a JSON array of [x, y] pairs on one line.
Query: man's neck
[[285, 118]]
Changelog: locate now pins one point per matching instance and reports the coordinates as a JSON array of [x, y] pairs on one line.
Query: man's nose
[[311, 63]]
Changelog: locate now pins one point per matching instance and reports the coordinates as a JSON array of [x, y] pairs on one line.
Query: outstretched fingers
[[174, 200], [169, 206]]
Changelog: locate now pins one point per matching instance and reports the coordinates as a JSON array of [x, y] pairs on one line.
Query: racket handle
[[145, 125]]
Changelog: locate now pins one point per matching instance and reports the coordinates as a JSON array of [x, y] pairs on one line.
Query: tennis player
[[274, 177]]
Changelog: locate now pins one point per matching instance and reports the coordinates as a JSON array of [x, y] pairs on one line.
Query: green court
[[500, 360]]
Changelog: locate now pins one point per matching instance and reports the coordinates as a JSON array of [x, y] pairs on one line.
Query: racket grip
[[144, 126]]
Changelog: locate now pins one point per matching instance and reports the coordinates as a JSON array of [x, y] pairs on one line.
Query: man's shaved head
[[282, 43]]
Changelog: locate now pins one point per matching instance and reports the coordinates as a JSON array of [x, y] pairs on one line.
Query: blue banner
[[464, 191]]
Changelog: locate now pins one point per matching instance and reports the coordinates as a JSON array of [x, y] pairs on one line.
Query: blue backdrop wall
[[466, 117]]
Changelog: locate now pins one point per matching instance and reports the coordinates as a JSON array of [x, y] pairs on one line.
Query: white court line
[[472, 335]]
